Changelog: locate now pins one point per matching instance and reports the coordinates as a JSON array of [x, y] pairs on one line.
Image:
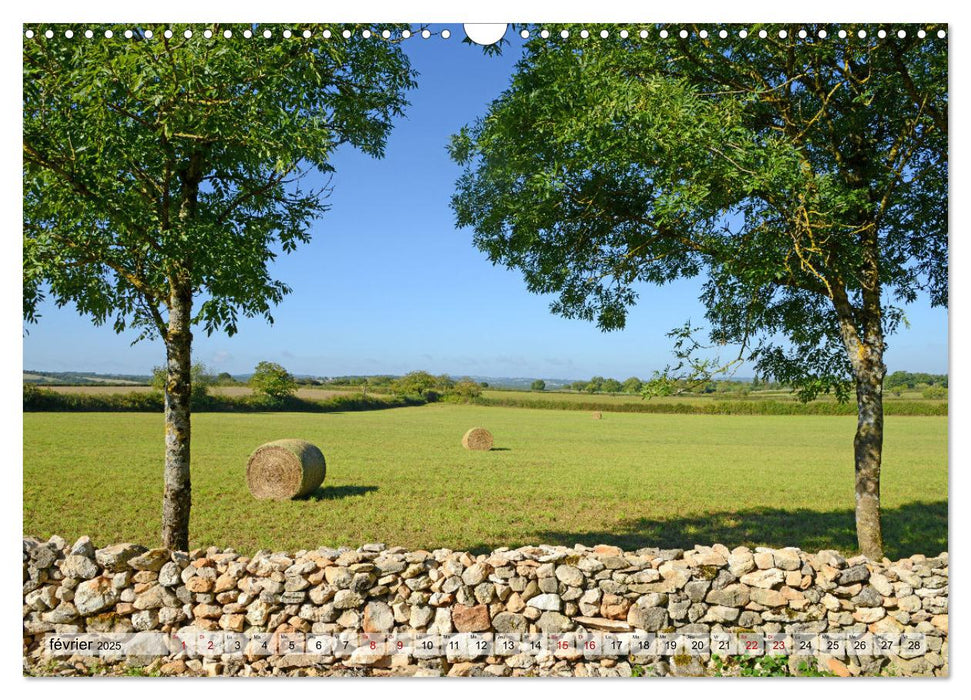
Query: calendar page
[[567, 348]]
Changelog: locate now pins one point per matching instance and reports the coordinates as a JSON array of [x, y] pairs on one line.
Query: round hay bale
[[477, 439], [597, 415], [285, 469]]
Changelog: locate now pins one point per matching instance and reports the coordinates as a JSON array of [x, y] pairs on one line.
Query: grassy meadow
[[401, 476]]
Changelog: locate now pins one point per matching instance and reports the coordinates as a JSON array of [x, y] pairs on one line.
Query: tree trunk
[[868, 452], [177, 498], [865, 351]]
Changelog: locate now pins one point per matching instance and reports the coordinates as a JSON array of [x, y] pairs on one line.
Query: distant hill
[[32, 376]]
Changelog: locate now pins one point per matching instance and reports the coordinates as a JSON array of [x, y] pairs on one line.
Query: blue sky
[[389, 285]]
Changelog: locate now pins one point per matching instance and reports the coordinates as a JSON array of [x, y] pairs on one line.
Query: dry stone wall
[[527, 592]]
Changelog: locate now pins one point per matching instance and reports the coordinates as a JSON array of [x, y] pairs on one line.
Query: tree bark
[[868, 453], [866, 359], [177, 498]]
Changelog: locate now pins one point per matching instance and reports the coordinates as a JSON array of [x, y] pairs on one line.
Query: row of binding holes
[[445, 34], [723, 34], [246, 34]]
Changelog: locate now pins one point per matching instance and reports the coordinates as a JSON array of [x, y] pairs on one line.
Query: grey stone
[[475, 574], [95, 595], [170, 574], [421, 615], [152, 560], [647, 619], [510, 623], [378, 617], [78, 567], [763, 578], [570, 575], [83, 547], [551, 621], [344, 600], [854, 574], [868, 597], [485, 593], [62, 614], [115, 558], [547, 601], [735, 595], [696, 590]]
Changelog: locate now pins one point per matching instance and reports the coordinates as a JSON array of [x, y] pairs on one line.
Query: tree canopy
[[273, 381], [147, 159], [775, 167]]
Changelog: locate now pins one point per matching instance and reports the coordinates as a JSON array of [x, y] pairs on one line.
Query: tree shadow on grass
[[333, 493], [910, 529]]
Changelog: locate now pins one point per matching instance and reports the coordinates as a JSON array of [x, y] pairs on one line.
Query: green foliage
[[757, 407], [414, 384], [202, 379], [786, 171], [465, 391], [611, 386], [37, 399], [273, 382], [762, 666], [444, 382], [538, 385], [911, 380], [934, 392], [632, 385], [148, 161]]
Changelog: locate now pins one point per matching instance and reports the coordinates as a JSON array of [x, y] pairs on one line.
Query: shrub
[[935, 391], [414, 384], [273, 382], [466, 391]]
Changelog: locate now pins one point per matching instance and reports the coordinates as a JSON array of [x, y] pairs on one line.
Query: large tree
[[162, 177], [804, 177]]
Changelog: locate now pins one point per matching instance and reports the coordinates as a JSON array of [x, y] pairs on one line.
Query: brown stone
[[224, 583], [173, 668], [515, 603], [838, 667], [614, 607], [232, 623], [767, 597], [206, 611], [608, 549], [471, 619], [197, 584]]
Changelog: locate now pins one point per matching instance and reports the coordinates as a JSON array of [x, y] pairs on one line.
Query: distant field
[[302, 392], [566, 397], [583, 397], [401, 476]]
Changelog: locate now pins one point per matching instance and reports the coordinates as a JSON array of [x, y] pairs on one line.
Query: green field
[[401, 477]]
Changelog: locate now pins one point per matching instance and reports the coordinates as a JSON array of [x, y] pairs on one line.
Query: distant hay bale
[[477, 439], [597, 415], [285, 469]]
